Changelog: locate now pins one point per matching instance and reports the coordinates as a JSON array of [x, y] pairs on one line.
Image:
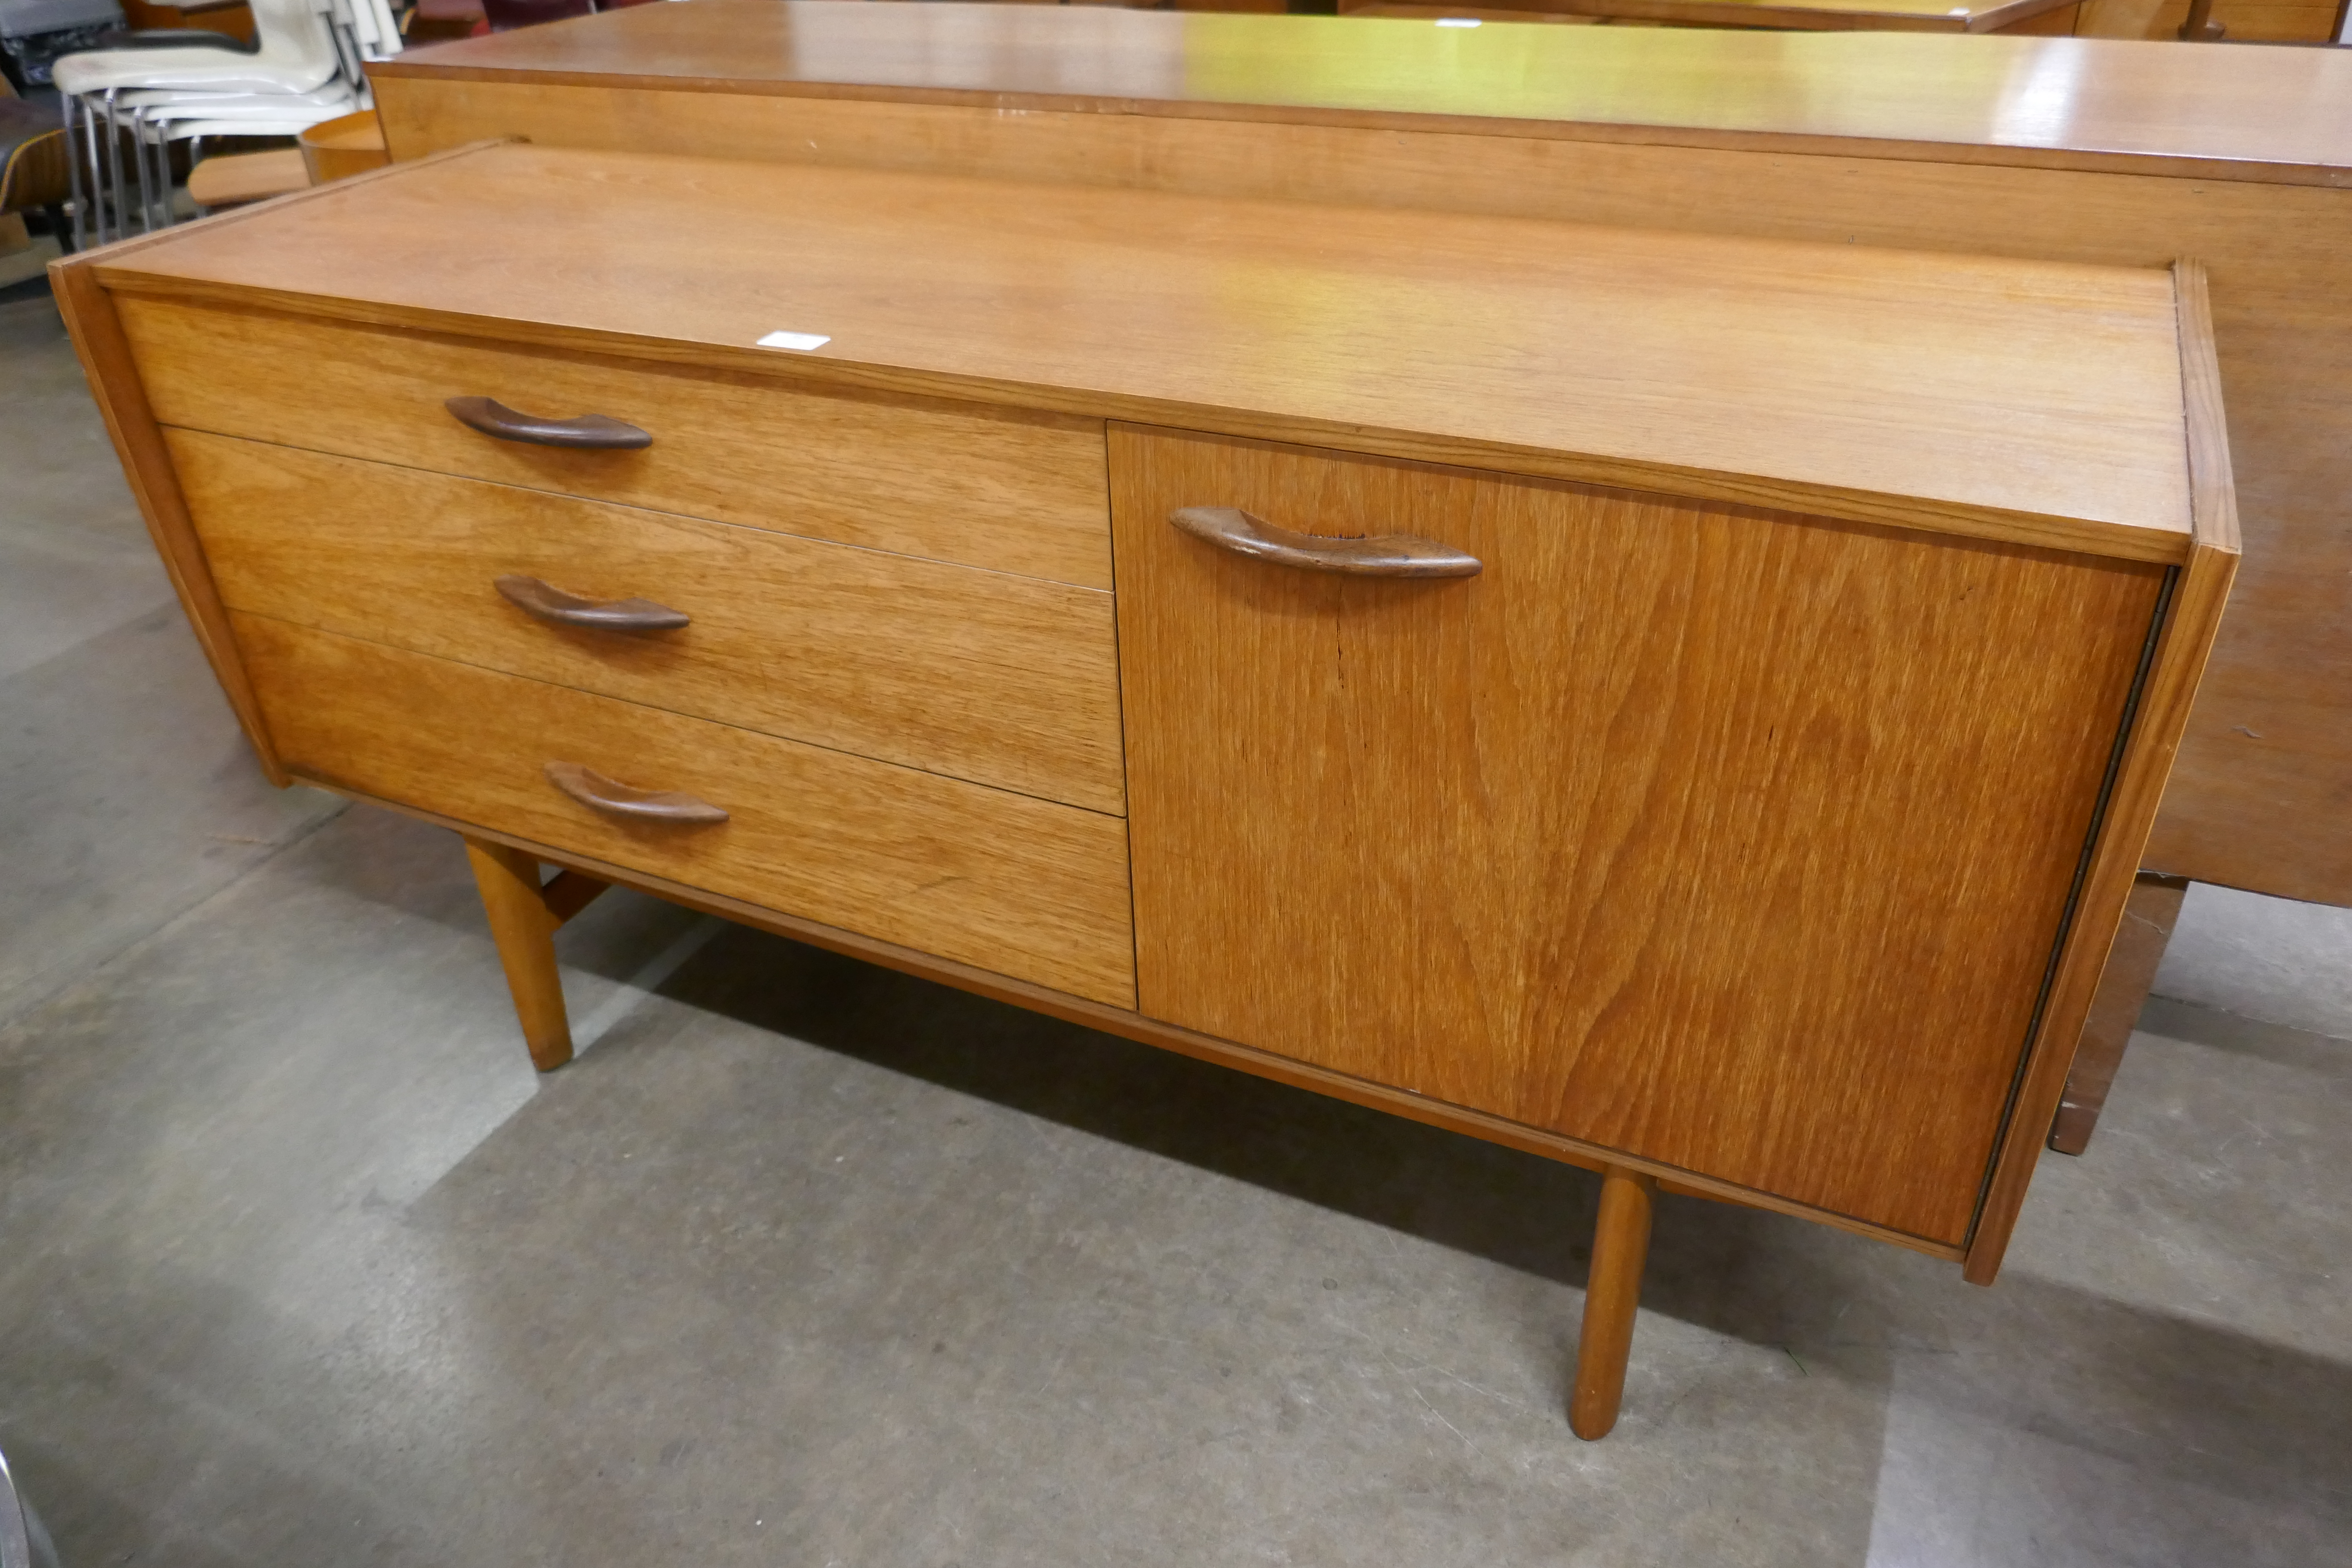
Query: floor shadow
[[2171, 1396], [25, 289], [2222, 1031]]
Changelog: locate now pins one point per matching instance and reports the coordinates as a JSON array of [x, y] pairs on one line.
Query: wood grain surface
[[2124, 983], [2052, 102], [2058, 22], [1747, 371], [1474, 13], [1029, 889], [1612, 1294], [227, 180], [90, 315], [1819, 16], [346, 145], [1714, 837], [2259, 795], [1001, 679], [985, 487], [2176, 666], [2243, 21], [2041, 19], [2055, 17], [523, 927]]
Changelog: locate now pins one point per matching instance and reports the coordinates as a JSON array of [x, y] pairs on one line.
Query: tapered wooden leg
[[524, 928], [1620, 1247], [2124, 986]]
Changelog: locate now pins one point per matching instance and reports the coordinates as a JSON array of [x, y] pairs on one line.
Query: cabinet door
[[1734, 840]]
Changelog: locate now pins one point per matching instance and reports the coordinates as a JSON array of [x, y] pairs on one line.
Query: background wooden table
[[2233, 21], [2038, 16]]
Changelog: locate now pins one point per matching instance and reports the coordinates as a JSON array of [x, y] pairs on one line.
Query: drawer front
[[1005, 491], [1737, 842], [1005, 680], [1005, 882]]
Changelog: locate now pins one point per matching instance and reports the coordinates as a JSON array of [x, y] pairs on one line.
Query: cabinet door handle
[[613, 798], [593, 432], [1373, 555], [549, 602]]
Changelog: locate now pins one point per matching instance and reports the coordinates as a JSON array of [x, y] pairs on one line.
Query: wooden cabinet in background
[[2242, 21], [1687, 706]]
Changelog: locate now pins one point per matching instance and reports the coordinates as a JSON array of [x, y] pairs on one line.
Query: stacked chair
[[125, 107]]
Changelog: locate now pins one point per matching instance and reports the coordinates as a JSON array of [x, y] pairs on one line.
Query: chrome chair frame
[[102, 197]]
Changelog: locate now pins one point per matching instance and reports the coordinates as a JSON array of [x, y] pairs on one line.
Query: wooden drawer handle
[[593, 790], [549, 602], [593, 432], [1375, 555]]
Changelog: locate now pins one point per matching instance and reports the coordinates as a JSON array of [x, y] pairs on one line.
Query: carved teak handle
[[549, 602], [592, 432], [613, 798], [1376, 555]]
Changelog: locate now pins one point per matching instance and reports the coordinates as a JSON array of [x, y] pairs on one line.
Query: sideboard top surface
[[2268, 114], [2034, 402]]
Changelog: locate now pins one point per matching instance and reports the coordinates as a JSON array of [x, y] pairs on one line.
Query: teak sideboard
[[1688, 706]]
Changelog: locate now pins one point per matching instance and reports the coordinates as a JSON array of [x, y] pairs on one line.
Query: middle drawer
[[1003, 681]]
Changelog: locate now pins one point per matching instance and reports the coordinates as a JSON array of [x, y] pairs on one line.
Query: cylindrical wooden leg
[[524, 929], [1621, 1247]]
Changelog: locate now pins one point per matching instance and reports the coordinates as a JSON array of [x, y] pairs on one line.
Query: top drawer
[[1011, 491]]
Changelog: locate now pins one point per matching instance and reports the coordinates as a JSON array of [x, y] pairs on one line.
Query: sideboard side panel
[[115, 381], [2176, 670]]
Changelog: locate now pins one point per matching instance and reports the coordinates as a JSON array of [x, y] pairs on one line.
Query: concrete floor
[[807, 1263]]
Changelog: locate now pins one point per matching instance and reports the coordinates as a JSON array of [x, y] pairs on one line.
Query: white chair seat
[[298, 54], [124, 108], [89, 62], [285, 124], [188, 71], [155, 108]]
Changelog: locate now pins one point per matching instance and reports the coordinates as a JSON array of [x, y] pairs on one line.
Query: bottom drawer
[[1005, 882]]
